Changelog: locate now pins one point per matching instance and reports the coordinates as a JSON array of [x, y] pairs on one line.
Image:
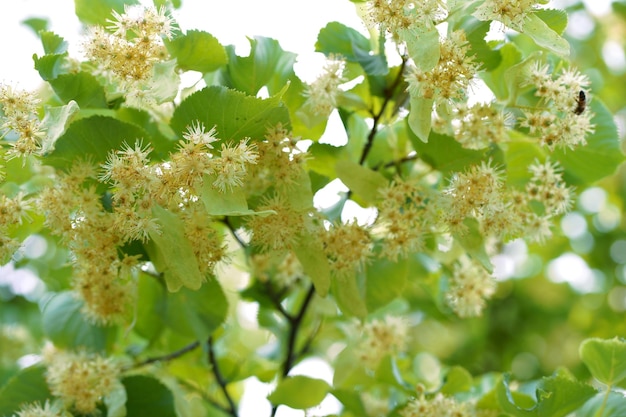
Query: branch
[[167, 357], [376, 117], [293, 331], [243, 244], [231, 409]]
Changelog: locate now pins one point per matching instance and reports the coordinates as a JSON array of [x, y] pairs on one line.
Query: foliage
[[152, 214]]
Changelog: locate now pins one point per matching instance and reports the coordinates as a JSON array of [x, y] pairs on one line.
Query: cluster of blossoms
[[283, 269], [348, 246], [46, 410], [395, 16], [19, 117], [480, 125], [381, 337], [324, 92], [81, 380], [469, 287], [511, 13], [438, 406], [449, 79], [128, 54], [74, 210], [13, 210], [280, 231], [561, 119]]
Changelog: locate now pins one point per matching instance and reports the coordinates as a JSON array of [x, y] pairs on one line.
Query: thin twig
[[234, 233], [376, 117], [167, 357], [275, 298], [231, 409], [293, 331], [204, 395]]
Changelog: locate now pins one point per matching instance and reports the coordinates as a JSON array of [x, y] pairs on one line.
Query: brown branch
[[167, 357], [243, 244], [221, 381]]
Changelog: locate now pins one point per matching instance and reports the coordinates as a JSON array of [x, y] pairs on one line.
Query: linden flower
[[509, 12], [470, 287], [324, 91], [348, 247], [380, 338], [481, 125], [397, 15], [81, 380], [196, 133], [438, 406], [36, 410]]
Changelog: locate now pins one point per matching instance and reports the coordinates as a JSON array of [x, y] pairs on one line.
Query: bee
[[581, 103]]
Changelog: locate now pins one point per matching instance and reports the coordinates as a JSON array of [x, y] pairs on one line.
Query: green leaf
[[299, 392], [267, 64], [235, 115], [64, 324], [545, 37], [171, 252], [423, 46], [498, 79], [147, 397], [197, 314], [37, 24], [520, 153], [445, 154], [197, 51], [347, 293], [27, 386], [96, 12], [457, 380], [92, 138], [420, 117], [55, 122], [605, 358], [50, 66], [150, 294], [514, 403], [229, 203], [339, 39], [115, 401], [165, 81], [612, 404], [310, 253], [385, 282], [602, 154], [53, 43], [476, 31], [560, 394], [472, 241], [361, 180], [81, 87], [555, 19]]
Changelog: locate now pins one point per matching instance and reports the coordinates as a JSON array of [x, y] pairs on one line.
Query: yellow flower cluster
[[12, 212], [19, 116], [381, 337], [37, 410], [509, 12], [129, 53], [348, 246], [438, 406], [397, 15], [469, 287], [324, 91], [480, 125], [81, 380], [561, 120], [451, 76]]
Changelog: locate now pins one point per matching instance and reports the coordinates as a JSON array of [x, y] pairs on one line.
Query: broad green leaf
[[388, 372], [423, 46], [602, 154], [50, 66], [520, 153], [55, 122], [81, 87], [544, 36], [373, 64], [64, 324], [339, 39], [96, 12], [514, 403], [197, 51], [420, 117], [476, 31], [299, 392], [361, 180], [93, 138], [324, 157], [496, 79], [560, 394], [198, 313], [148, 397], [612, 404], [165, 81], [554, 18], [151, 296], [300, 194], [351, 400], [445, 154], [171, 252], [229, 203], [53, 43], [427, 370], [235, 115], [385, 282], [27, 386], [605, 358], [37, 24], [347, 293], [472, 241], [268, 64], [311, 255], [457, 380], [115, 401]]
